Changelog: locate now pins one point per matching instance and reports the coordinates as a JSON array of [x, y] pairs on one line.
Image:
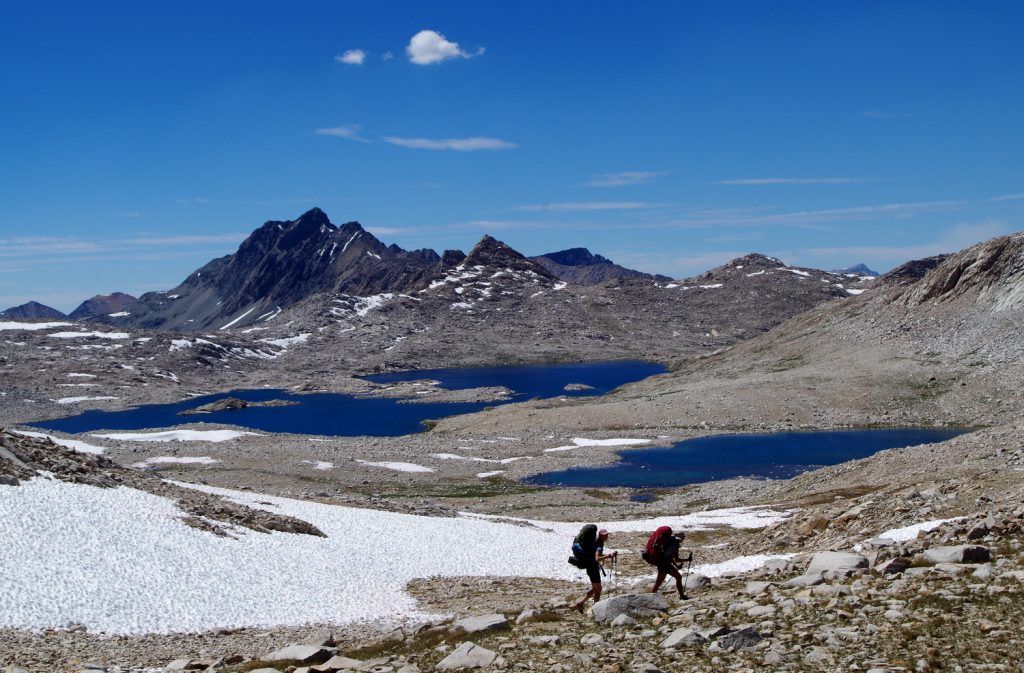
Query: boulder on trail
[[836, 561], [476, 624], [634, 605], [695, 581], [965, 553], [683, 637], [467, 655], [746, 637], [305, 654]]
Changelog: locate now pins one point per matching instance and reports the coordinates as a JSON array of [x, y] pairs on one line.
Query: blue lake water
[[349, 415], [766, 456]]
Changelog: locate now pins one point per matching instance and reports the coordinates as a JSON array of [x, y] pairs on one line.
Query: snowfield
[[581, 441], [180, 436], [31, 326], [70, 553]]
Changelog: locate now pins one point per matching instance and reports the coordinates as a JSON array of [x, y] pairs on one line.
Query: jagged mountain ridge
[[279, 264], [283, 263], [582, 267]]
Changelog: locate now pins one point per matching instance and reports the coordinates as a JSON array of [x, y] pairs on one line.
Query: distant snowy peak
[[581, 267], [32, 310], [860, 269]]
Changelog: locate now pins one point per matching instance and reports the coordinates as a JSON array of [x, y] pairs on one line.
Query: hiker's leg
[[658, 581], [597, 591], [679, 581]]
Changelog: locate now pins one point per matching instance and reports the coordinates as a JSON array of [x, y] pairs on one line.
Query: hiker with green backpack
[[587, 554]]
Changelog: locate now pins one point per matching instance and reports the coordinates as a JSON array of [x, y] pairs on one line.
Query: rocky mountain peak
[[756, 260], [492, 252]]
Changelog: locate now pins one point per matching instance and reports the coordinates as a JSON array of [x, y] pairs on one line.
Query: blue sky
[[140, 140]]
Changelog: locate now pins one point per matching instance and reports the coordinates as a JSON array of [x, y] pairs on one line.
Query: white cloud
[[587, 206], [351, 57], [623, 178], [349, 132], [1007, 197], [457, 144], [428, 46], [792, 181], [387, 56]]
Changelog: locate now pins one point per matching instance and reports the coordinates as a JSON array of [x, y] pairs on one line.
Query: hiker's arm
[[600, 557]]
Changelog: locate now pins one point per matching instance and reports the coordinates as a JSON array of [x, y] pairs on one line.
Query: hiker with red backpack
[[662, 552], [587, 554]]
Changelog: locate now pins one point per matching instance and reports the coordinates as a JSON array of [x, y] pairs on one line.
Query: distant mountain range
[[284, 263]]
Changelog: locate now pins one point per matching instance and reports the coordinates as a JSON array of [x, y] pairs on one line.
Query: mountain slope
[[942, 349], [104, 305]]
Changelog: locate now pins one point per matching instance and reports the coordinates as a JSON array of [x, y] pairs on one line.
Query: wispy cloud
[[130, 214], [390, 231], [351, 57], [192, 202], [24, 247], [886, 114], [428, 47], [792, 181], [623, 178], [812, 218], [348, 132], [458, 144], [1008, 197], [387, 56], [587, 206]]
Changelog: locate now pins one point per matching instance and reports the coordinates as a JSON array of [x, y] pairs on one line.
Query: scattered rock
[[959, 554], [493, 622], [635, 605], [306, 654], [467, 655], [836, 561]]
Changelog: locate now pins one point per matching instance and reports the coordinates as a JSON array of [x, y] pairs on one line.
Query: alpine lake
[[764, 456]]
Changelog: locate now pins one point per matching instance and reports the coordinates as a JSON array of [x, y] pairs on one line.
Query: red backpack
[[652, 552]]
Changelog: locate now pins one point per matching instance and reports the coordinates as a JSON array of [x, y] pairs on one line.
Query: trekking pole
[[689, 562]]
